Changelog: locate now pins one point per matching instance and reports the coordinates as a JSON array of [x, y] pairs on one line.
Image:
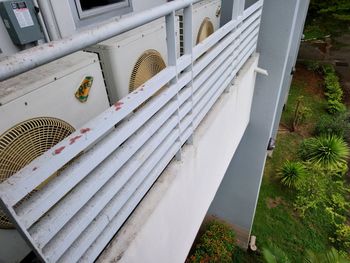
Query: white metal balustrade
[[118, 155]]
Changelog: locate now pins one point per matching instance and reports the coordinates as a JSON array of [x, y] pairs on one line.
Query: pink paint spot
[[50, 45], [74, 139], [59, 150], [35, 168], [85, 130], [118, 105]]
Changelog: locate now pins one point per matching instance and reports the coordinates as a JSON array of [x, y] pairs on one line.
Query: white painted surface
[[164, 225], [49, 91]]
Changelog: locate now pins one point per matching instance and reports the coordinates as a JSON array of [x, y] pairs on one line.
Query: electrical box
[[20, 21]]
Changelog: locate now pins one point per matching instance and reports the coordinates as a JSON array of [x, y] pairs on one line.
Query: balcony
[[158, 153]]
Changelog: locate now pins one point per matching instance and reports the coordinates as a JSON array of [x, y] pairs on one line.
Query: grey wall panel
[[237, 196]]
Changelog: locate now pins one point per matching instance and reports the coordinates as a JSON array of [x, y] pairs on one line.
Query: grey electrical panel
[[20, 21]]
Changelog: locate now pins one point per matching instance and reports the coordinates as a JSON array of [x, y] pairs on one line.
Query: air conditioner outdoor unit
[[206, 19], [37, 110], [130, 59]]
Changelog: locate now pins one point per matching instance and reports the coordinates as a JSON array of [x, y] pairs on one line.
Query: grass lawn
[[276, 220]]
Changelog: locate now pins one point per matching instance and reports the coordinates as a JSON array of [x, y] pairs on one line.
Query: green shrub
[[291, 173], [331, 79], [215, 245], [333, 92], [328, 69], [312, 65], [342, 237], [337, 125], [329, 151], [335, 106]]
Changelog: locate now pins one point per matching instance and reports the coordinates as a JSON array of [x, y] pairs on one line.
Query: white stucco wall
[[164, 225]]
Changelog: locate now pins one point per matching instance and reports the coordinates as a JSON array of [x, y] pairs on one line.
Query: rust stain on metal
[[59, 150], [74, 139], [85, 130]]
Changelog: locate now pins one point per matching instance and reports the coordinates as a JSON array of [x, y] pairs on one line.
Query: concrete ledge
[[165, 223]]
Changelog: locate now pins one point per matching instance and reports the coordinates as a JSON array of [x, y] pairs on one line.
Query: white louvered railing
[[119, 155]]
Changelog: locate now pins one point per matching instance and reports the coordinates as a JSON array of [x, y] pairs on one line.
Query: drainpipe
[[41, 22], [48, 19]]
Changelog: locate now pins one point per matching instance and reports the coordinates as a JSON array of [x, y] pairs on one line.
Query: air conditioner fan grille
[[26, 141]]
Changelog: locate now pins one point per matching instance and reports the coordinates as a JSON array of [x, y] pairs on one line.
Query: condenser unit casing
[[120, 55], [206, 20], [50, 90]]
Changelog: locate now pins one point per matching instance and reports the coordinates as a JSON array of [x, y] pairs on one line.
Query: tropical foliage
[[291, 173], [328, 151], [215, 245]]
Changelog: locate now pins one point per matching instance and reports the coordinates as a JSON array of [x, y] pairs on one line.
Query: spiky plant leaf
[[291, 173], [329, 151]]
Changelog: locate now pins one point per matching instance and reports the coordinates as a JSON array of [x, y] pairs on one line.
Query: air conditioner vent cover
[[148, 64], [26, 141], [205, 30]]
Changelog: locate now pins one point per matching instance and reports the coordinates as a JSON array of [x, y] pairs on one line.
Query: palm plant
[[329, 151], [291, 173]]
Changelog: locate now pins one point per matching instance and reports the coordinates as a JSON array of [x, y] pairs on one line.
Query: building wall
[[279, 39]]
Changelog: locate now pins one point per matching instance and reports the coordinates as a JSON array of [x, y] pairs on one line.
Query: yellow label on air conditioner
[[83, 91]]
